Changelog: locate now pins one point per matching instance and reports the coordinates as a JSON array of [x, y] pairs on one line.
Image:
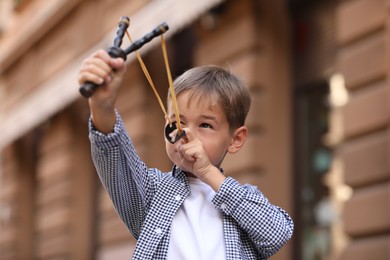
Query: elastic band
[[172, 90], [149, 78]]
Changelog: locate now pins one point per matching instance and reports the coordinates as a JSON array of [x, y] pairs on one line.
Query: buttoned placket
[[178, 197], [173, 201]]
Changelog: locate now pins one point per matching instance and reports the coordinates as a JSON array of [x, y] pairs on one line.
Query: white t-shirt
[[197, 231]]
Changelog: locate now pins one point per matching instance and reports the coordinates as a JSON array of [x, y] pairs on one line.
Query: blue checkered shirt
[[147, 200]]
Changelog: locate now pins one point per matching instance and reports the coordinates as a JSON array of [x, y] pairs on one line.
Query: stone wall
[[363, 34]]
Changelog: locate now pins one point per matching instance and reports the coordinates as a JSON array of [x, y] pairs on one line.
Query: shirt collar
[[179, 174]]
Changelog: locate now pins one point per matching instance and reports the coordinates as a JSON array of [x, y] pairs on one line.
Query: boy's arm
[[268, 226], [103, 119], [121, 171], [101, 69], [127, 180]]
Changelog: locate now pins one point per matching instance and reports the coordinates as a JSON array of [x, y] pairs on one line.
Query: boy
[[194, 211]]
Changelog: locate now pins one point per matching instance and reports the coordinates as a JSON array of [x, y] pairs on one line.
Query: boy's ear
[[238, 139]]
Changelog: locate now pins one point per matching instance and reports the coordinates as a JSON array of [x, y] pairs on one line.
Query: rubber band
[[180, 132], [149, 78], [172, 90]]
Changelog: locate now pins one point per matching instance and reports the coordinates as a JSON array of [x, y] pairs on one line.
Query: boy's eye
[[204, 125]]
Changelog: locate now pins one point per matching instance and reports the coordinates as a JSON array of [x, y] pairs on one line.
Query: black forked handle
[[115, 51]]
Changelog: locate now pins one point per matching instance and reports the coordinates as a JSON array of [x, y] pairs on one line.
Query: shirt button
[[177, 197], [223, 206], [158, 231]]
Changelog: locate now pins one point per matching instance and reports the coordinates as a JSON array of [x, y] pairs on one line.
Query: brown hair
[[206, 81]]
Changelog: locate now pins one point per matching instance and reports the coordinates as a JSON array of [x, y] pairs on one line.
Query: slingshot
[[115, 51]]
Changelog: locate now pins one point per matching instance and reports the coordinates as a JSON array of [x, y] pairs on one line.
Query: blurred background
[[318, 73]]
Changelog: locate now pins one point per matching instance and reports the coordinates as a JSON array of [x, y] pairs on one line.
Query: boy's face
[[203, 119]]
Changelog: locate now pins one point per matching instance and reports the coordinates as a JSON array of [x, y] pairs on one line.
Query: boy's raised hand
[[195, 159], [101, 69], [108, 72]]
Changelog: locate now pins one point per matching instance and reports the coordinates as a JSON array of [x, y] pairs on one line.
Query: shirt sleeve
[[268, 226], [123, 174]]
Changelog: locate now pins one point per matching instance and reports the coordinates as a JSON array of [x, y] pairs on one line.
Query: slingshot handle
[[123, 24], [160, 29], [88, 88], [115, 51]]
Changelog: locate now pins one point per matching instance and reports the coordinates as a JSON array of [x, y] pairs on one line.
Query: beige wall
[[363, 34]]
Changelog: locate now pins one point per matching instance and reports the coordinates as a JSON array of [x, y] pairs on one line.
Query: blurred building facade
[[318, 145]]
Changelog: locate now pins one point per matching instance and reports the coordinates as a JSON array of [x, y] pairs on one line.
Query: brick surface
[[54, 167], [364, 61], [52, 247], [370, 248], [7, 237], [367, 212], [255, 120], [235, 38], [366, 160], [367, 110], [112, 230], [251, 156], [350, 22], [53, 217], [251, 68]]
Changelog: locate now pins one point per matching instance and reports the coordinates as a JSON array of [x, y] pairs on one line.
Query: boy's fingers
[[188, 135], [97, 63], [102, 54], [189, 151], [112, 63], [90, 77], [94, 72]]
